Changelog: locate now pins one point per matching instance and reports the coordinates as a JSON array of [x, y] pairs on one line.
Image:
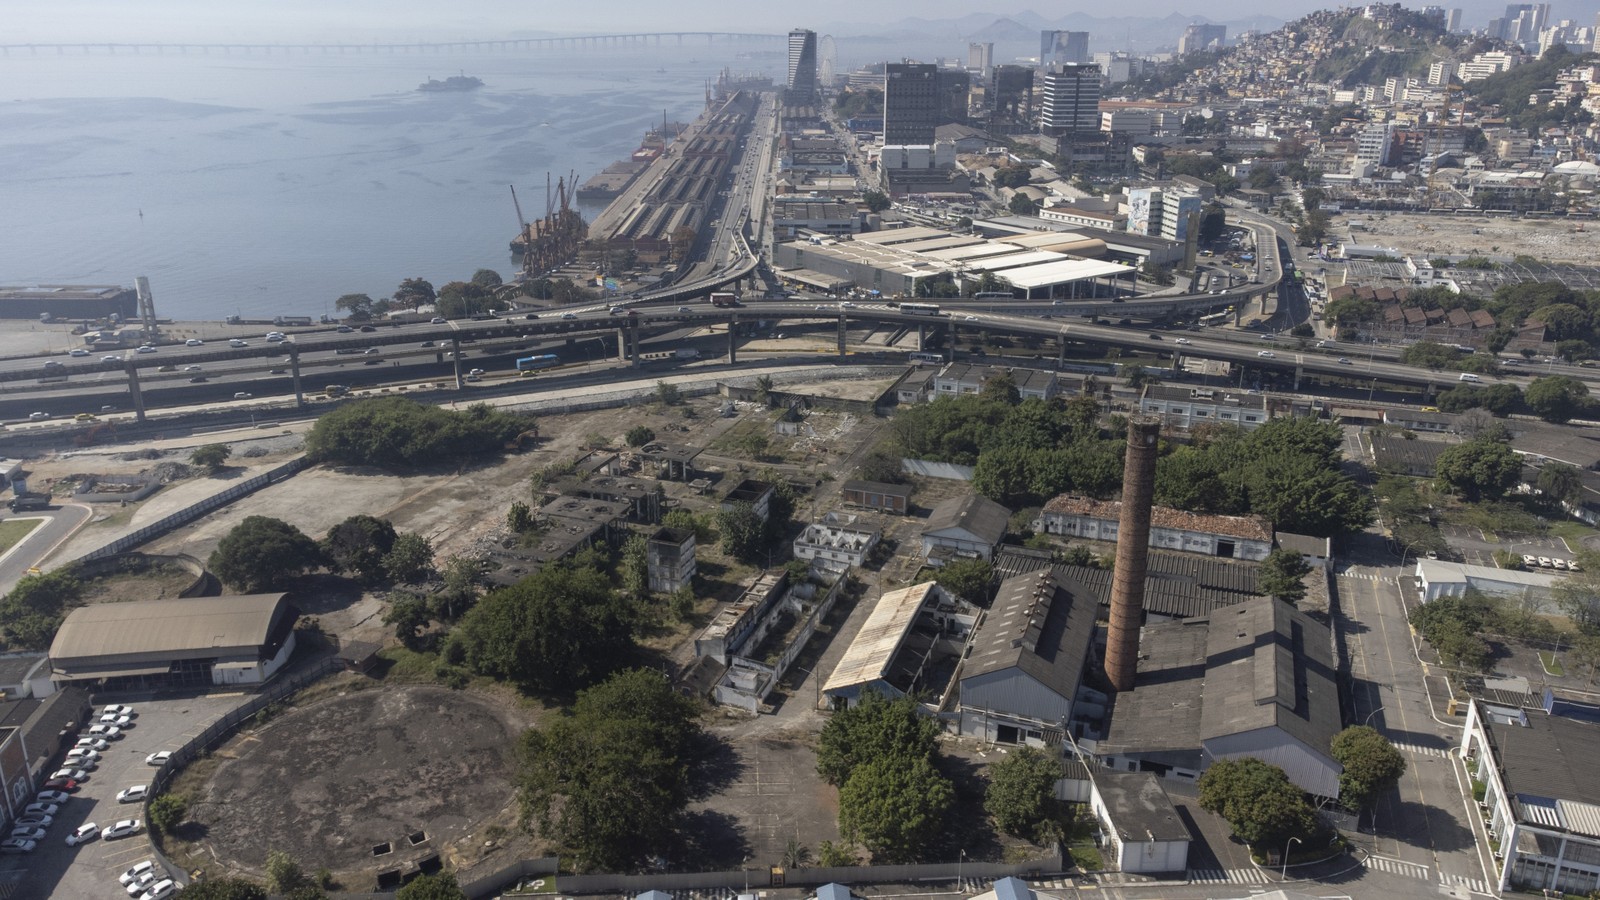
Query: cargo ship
[[462, 82]]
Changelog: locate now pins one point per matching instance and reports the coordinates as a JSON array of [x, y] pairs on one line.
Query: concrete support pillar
[[1299, 373], [733, 338], [138, 395], [843, 343], [922, 336], [294, 372], [632, 332], [1061, 351], [455, 358]]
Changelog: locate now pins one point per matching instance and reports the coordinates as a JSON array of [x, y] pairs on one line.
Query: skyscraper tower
[[1063, 47], [910, 102], [1071, 102], [1133, 552], [802, 84]]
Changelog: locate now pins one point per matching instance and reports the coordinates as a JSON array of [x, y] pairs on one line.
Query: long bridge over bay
[[500, 45]]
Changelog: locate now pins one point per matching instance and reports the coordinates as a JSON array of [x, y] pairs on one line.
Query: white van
[[1468, 376]]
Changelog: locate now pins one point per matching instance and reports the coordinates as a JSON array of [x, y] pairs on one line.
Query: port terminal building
[[1038, 266]]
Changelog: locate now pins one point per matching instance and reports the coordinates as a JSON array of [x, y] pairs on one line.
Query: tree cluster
[[371, 551], [559, 630], [1021, 793], [1282, 575], [32, 611], [881, 754], [1287, 470], [264, 554], [609, 780], [394, 432], [1498, 399], [1262, 806], [1454, 626], [1371, 763], [1558, 398], [1479, 469]]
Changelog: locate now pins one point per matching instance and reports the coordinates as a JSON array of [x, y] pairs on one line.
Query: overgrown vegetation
[[892, 799], [394, 432], [32, 612]]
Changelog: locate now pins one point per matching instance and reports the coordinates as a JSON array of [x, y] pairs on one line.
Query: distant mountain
[[1002, 30]]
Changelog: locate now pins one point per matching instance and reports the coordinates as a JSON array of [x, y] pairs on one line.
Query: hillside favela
[[903, 451]]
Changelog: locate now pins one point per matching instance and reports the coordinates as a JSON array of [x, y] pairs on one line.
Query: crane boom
[[520, 220]]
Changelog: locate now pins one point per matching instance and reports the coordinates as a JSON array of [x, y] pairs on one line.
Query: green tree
[[895, 807], [1557, 398], [283, 873], [441, 886], [519, 518], [462, 299], [396, 432], [874, 728], [875, 201], [359, 545], [168, 811], [744, 535], [223, 889], [1560, 482], [486, 278], [358, 307], [1023, 205], [32, 612], [1431, 355], [1478, 470], [410, 616], [1372, 765], [414, 292], [263, 554], [554, 632], [668, 394], [835, 855], [1262, 806], [638, 436], [969, 579], [1282, 575], [211, 457], [1578, 595], [1021, 791], [1000, 388], [609, 780], [410, 559], [635, 568]]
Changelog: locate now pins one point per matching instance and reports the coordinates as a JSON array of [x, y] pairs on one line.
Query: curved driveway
[[60, 523]]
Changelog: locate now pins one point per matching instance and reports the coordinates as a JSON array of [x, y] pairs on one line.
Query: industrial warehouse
[[174, 642]]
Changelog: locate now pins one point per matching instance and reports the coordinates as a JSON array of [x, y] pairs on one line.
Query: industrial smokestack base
[[1133, 552]]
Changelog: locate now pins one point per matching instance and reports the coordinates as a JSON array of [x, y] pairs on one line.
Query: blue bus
[[534, 363]]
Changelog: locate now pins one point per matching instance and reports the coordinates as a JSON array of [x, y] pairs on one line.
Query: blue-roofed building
[[654, 895], [1008, 888], [833, 891]]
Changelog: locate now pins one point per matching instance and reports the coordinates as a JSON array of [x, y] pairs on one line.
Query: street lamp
[[744, 865], [1370, 715], [959, 861], [1292, 841]]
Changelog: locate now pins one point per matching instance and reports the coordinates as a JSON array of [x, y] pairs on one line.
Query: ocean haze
[[255, 185]]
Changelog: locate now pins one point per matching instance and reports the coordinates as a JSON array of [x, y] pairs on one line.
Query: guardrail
[[196, 510]]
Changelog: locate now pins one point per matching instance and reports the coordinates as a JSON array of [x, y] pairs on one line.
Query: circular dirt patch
[[329, 782]]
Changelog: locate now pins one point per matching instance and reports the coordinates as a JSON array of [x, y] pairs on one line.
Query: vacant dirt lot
[[1549, 240], [329, 782]]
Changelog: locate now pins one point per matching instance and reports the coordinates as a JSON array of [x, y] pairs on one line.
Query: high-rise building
[[1063, 47], [802, 83], [1071, 103], [980, 57], [1521, 23], [910, 102], [955, 93], [1199, 37], [1452, 20], [1010, 99]]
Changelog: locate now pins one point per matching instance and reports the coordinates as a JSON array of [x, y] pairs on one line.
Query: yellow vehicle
[[84, 417], [1430, 409]]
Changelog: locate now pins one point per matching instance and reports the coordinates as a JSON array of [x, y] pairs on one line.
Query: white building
[[965, 527], [1539, 792], [1230, 537], [1184, 408], [837, 542], [1145, 833], [1437, 578]]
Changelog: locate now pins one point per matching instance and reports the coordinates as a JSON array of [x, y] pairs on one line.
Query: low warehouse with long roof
[[168, 643]]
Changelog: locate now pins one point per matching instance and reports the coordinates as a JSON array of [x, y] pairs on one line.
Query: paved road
[[1427, 824], [59, 524]]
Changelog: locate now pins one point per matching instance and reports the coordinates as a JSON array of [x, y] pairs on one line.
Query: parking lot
[[1476, 550], [90, 871]]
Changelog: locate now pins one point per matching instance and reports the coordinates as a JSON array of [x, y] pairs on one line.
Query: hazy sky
[[52, 21]]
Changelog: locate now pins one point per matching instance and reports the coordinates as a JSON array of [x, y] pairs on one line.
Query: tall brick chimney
[[1133, 551]]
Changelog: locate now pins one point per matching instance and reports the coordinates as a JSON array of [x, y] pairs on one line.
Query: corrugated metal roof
[[869, 656], [1063, 272], [164, 626], [978, 515], [1041, 624], [1583, 818]]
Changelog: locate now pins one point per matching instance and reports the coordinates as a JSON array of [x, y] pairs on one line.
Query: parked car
[[69, 775], [137, 870], [35, 821], [117, 719], [40, 809], [109, 732], [52, 797], [133, 794], [77, 756], [83, 834], [17, 845], [1558, 563], [27, 833], [158, 759], [160, 890], [61, 784], [90, 743], [122, 829], [141, 884]]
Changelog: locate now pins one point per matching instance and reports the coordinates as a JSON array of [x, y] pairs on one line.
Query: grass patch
[[404, 666], [12, 531], [1552, 666], [1086, 858], [1572, 531]]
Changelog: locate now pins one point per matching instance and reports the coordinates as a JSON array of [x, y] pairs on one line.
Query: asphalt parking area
[[770, 794], [420, 769], [91, 870]]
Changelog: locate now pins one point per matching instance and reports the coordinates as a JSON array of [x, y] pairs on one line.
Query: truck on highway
[[336, 390], [724, 299], [29, 502]]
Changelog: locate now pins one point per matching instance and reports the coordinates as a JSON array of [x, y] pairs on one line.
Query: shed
[[1146, 833], [966, 527]]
